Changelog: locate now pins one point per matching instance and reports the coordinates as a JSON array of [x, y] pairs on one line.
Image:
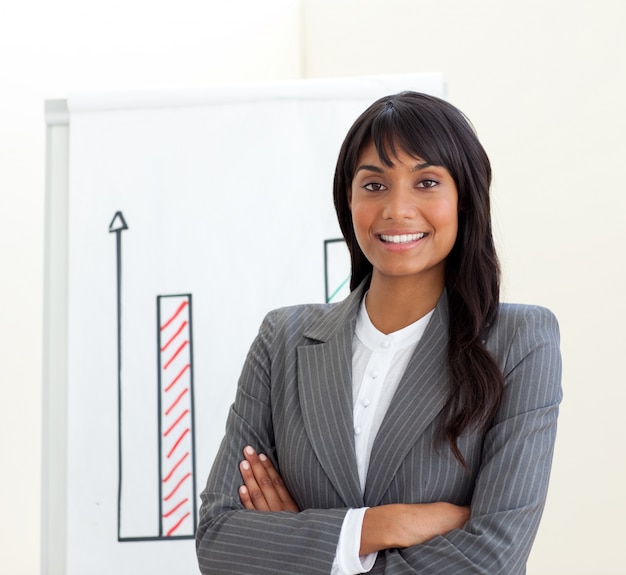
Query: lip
[[402, 239]]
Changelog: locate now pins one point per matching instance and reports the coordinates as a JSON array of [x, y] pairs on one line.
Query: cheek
[[361, 224], [361, 220], [447, 217]]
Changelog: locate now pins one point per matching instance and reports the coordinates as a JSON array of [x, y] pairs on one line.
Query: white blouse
[[378, 362]]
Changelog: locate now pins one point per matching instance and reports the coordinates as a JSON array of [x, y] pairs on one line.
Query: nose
[[400, 204]]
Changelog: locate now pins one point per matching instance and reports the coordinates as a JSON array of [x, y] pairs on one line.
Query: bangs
[[401, 128]]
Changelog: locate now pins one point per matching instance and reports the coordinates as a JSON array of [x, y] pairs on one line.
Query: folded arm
[[384, 527]]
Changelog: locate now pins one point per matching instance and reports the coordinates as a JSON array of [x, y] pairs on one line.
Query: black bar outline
[[192, 418], [326, 287], [159, 419]]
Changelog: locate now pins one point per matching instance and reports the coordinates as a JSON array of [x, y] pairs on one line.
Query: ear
[[349, 196]]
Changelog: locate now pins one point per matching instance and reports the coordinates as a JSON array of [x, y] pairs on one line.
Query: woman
[[409, 428]]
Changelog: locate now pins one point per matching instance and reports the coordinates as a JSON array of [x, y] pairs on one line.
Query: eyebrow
[[379, 170]]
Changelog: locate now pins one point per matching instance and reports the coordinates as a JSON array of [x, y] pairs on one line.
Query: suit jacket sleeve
[[512, 480], [231, 539]]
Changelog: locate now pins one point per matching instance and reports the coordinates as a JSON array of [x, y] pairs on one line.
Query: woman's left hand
[[263, 488]]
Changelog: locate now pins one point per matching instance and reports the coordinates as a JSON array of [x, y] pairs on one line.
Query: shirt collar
[[375, 339]]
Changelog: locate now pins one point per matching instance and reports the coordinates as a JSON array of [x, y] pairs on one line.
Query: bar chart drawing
[[176, 439], [336, 270], [156, 502]]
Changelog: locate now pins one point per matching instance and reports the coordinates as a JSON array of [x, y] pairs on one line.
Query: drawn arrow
[[117, 226]]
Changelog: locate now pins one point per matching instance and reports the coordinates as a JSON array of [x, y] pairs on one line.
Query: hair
[[435, 131]]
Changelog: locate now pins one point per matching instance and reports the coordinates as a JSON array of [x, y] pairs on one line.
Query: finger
[[264, 483], [288, 504], [244, 496], [254, 492]]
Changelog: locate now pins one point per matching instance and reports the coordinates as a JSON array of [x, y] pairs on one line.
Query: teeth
[[402, 239]]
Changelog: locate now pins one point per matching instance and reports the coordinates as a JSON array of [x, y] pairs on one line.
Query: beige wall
[[543, 82]]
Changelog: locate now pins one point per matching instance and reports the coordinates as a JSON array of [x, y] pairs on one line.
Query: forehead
[[388, 154], [369, 157]]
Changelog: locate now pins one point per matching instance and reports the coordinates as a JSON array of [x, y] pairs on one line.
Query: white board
[[191, 214]]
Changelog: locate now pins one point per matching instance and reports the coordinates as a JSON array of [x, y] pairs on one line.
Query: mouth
[[402, 238]]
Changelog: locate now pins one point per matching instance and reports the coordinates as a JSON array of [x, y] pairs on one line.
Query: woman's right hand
[[404, 524], [263, 488]]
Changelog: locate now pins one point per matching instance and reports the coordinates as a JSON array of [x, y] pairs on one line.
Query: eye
[[374, 187], [427, 184]]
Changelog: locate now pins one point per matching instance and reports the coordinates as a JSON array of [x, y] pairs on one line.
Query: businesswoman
[[409, 428]]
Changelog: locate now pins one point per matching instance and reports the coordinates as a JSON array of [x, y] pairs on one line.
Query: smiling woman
[[409, 428]]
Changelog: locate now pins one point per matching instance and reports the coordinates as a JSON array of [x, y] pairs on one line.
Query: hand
[[263, 488], [402, 525]]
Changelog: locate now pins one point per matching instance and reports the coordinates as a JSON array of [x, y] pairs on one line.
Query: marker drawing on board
[[117, 226], [175, 506], [336, 270], [177, 474]]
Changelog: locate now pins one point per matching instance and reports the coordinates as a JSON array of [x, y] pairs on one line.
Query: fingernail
[[263, 457], [249, 450], [243, 489], [245, 465]]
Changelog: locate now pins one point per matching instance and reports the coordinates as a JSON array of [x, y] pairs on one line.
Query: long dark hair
[[437, 132]]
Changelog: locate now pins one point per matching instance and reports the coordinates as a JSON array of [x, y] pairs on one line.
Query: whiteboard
[[189, 215]]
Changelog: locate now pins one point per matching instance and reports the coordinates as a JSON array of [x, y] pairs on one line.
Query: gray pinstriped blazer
[[294, 403]]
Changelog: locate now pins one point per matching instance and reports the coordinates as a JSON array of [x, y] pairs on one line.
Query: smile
[[402, 239]]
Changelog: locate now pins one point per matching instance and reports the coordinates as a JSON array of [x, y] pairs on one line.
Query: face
[[404, 216]]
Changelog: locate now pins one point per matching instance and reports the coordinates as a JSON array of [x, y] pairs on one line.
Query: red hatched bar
[[176, 421]]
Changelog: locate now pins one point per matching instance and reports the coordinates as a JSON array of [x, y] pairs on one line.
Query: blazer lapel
[[420, 397], [325, 389]]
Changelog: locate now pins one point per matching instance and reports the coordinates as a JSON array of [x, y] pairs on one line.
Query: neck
[[394, 303]]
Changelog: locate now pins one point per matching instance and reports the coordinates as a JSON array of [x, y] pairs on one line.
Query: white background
[[544, 84]]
